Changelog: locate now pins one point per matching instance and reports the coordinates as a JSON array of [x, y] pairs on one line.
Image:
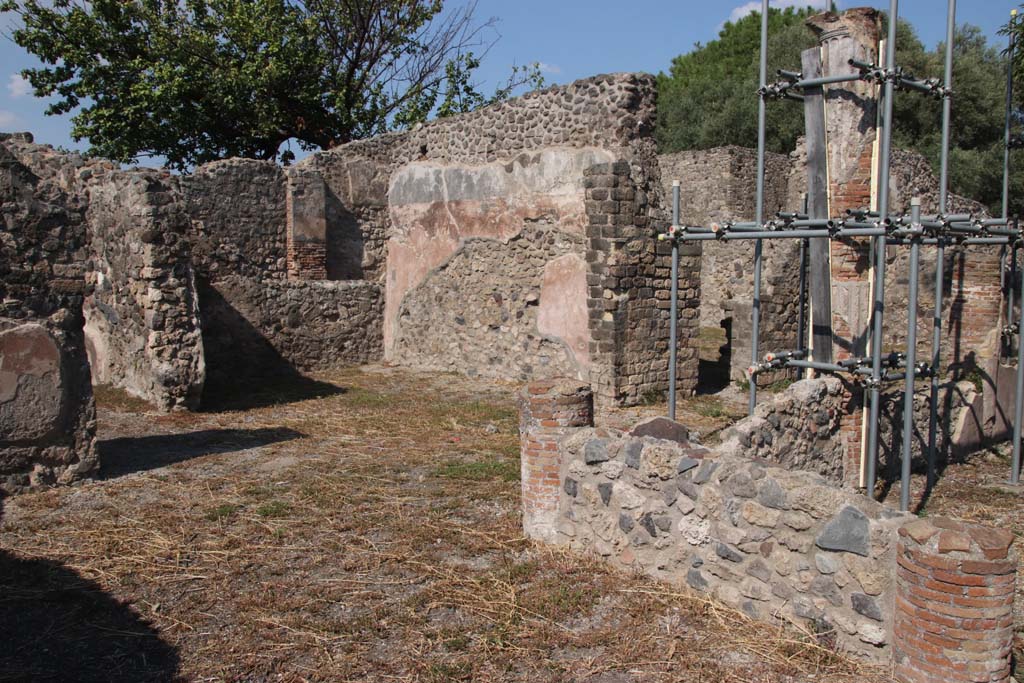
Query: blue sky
[[571, 39]]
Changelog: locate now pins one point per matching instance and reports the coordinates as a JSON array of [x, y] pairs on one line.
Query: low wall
[[772, 541], [254, 329]]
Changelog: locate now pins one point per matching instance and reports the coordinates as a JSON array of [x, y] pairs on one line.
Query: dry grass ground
[[366, 533]]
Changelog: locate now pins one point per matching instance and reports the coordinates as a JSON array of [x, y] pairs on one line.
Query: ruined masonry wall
[[47, 412], [440, 214], [256, 322], [934, 597], [142, 317], [771, 542]]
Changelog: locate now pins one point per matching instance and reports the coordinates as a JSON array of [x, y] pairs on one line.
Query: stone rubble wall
[[254, 330], [800, 428], [47, 412], [256, 322], [772, 541], [441, 215], [720, 184], [142, 317]]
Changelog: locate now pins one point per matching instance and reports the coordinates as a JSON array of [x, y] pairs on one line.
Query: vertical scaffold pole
[[801, 324], [880, 242], [1009, 111], [1019, 398], [674, 307], [908, 387], [940, 249], [759, 204], [1018, 403]]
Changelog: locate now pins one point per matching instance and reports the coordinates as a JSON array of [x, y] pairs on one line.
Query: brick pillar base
[[548, 411], [954, 602]]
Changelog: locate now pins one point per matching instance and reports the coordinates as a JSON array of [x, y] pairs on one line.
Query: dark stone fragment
[[847, 532], [669, 493], [686, 464], [741, 485], [771, 495], [605, 490], [821, 418], [727, 553], [663, 428], [759, 570], [774, 421], [696, 580], [595, 451], [803, 607], [783, 590], [663, 522], [626, 523], [704, 472], [150, 236], [647, 522], [571, 487], [825, 586], [633, 449], [750, 609], [697, 561], [687, 488], [866, 605]]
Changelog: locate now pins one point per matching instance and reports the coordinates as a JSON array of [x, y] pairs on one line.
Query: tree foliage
[[708, 99], [196, 80]]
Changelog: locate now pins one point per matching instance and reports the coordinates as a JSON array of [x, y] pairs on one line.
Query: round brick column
[[954, 602], [549, 410]]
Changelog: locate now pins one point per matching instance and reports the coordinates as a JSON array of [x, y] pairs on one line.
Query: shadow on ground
[[56, 625], [136, 454]]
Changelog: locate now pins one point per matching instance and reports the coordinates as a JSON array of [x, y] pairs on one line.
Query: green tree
[[196, 80], [708, 97]]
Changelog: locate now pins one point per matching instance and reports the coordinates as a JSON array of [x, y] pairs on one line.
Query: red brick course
[[954, 603], [548, 411]]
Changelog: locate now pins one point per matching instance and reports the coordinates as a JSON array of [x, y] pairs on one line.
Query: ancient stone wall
[[718, 185], [479, 227], [772, 542], [261, 313], [47, 413], [142, 317], [747, 524], [237, 208]]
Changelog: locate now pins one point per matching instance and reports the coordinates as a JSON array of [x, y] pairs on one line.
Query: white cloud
[[7, 119], [18, 86], [755, 6], [549, 68]]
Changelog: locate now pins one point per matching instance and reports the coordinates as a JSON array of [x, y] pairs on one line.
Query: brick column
[[548, 412], [954, 602]]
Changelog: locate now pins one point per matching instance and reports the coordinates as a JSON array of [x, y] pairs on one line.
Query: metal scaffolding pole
[[940, 249], [908, 387], [1018, 404], [673, 308], [801, 322], [759, 204], [1009, 110], [879, 284]]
